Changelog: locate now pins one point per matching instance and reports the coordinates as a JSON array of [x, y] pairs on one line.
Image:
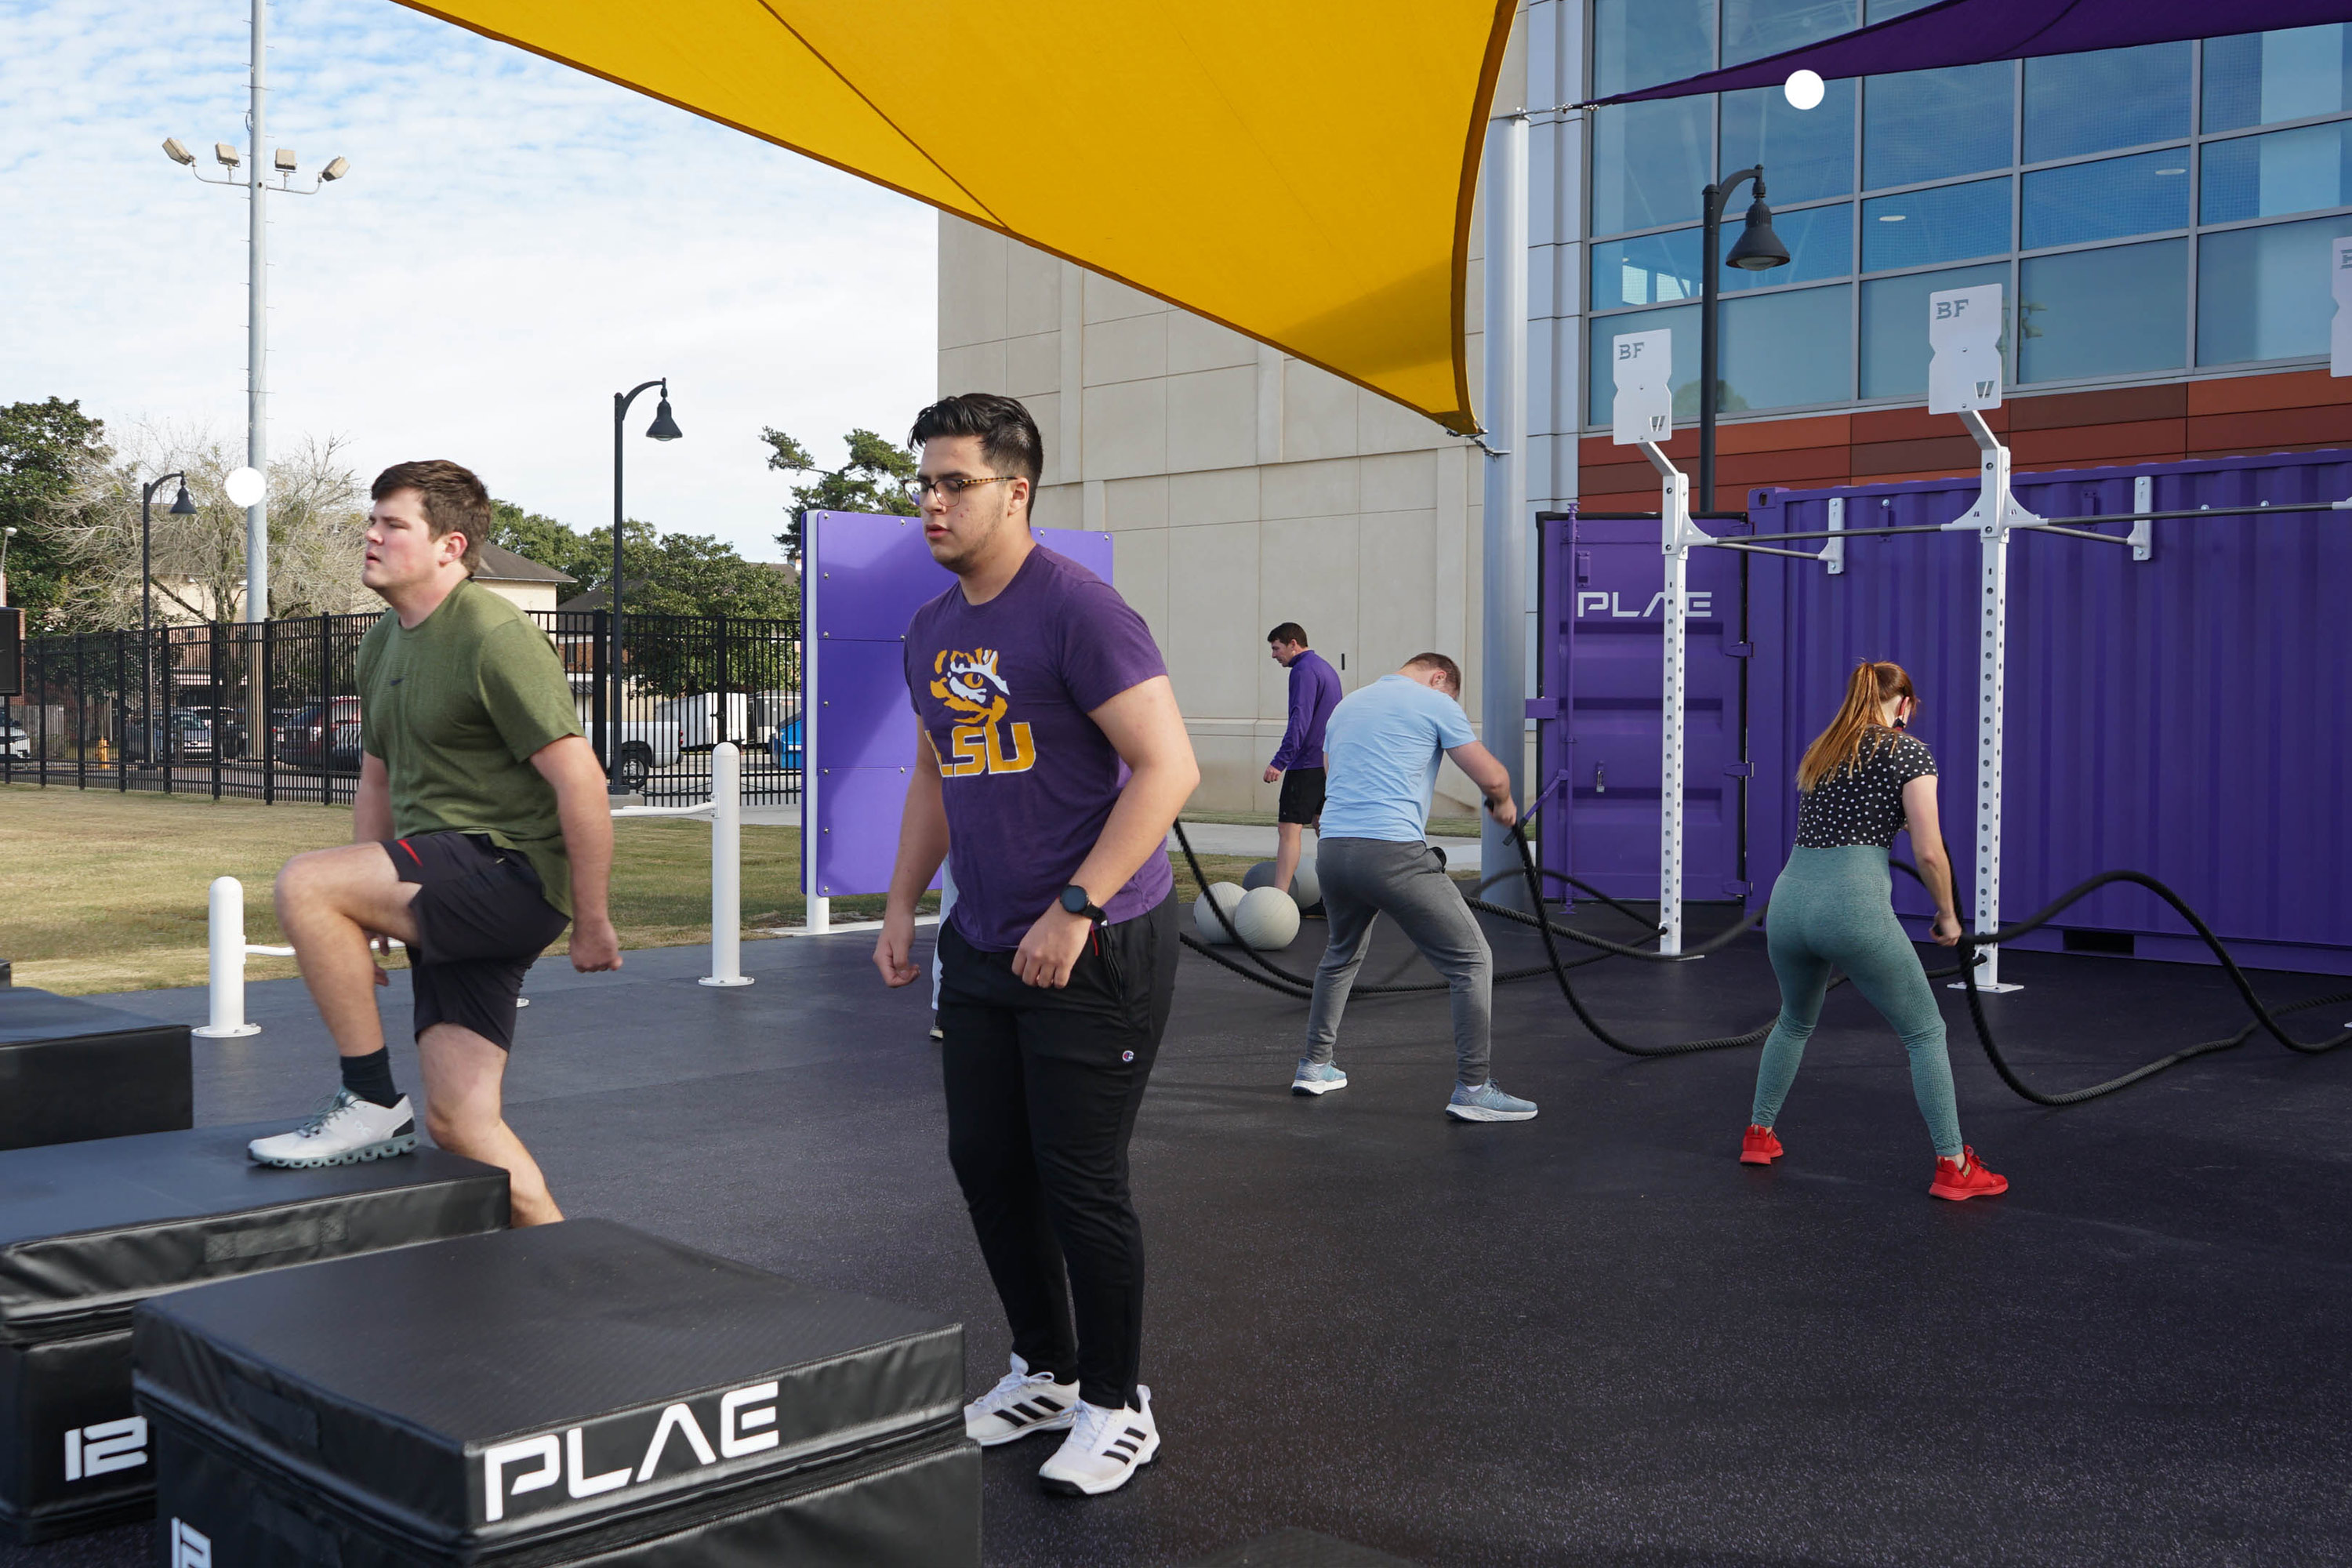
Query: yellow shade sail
[[1301, 172]]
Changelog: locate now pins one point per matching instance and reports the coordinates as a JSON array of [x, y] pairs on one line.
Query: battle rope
[[2266, 1020]]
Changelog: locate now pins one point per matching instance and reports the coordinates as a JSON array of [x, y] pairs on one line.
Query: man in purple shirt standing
[[1298, 762], [1051, 764]]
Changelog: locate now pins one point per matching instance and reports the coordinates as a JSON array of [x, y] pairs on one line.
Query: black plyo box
[[571, 1393], [72, 1069], [89, 1230]]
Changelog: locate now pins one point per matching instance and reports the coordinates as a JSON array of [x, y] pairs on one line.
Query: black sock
[[369, 1078]]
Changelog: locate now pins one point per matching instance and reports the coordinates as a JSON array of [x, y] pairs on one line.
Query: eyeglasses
[[949, 486]]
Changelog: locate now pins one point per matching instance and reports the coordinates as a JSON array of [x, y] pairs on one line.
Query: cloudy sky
[[515, 243]]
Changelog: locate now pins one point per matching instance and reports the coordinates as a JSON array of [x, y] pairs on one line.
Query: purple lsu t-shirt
[[1003, 690]]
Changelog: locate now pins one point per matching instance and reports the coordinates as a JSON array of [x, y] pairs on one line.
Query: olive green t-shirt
[[456, 706]]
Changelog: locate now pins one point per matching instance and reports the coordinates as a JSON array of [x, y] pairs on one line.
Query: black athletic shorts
[[481, 918], [1302, 797]]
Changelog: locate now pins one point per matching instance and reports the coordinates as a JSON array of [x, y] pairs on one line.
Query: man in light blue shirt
[[1381, 751]]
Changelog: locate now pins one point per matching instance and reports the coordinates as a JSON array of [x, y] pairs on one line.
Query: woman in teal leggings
[[1862, 782]]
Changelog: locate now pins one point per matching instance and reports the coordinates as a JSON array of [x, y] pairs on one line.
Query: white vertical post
[[817, 909], [224, 925], [1995, 513], [1833, 548], [1964, 337], [1674, 542], [726, 867], [256, 332], [1502, 674]]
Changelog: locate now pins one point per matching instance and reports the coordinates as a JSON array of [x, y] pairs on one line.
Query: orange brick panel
[[2147, 440], [2116, 406], [1882, 425], [1647, 500], [2271, 430], [2244, 394], [1618, 478], [1955, 453], [1783, 434], [1808, 470]]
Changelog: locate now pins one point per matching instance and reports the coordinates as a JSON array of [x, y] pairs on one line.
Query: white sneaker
[[344, 1131], [1104, 1449], [1022, 1401]]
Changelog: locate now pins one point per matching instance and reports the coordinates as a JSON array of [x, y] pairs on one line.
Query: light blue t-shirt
[[1381, 751]]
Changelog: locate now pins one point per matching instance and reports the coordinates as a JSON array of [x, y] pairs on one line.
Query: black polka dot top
[[1863, 803]]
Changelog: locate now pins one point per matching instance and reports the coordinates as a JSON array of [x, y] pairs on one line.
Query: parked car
[[15, 740], [228, 726], [312, 736], [180, 736], [645, 745]]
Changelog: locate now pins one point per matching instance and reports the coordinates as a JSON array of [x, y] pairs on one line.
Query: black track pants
[[1042, 1091]]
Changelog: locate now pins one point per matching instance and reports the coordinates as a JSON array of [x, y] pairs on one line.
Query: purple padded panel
[[868, 575]]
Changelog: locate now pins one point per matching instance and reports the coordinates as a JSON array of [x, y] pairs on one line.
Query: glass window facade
[[2108, 98], [2146, 210]]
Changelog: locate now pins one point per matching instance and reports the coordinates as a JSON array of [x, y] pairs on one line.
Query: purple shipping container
[[2185, 716]]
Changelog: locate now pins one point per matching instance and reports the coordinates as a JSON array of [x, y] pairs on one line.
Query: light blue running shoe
[[1488, 1103], [1318, 1078]]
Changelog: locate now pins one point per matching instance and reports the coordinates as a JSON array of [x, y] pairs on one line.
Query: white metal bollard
[[226, 920], [726, 867]]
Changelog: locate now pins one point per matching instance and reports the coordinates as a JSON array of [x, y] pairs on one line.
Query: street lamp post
[[1757, 250], [181, 507], [663, 428], [256, 317]]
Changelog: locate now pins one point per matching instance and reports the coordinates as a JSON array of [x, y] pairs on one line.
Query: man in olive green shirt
[[482, 824]]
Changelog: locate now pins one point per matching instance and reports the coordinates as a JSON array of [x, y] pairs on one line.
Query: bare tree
[[316, 520]]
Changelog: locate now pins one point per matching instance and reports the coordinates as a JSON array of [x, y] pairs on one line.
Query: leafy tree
[[667, 574], [43, 446], [316, 520], [541, 538], [873, 480]]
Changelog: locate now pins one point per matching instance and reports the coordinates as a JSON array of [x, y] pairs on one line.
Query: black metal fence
[[270, 710]]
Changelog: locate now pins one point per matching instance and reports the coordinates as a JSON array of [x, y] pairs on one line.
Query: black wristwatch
[[1074, 899]]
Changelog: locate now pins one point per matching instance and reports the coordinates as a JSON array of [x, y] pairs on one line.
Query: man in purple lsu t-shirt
[[1051, 764]]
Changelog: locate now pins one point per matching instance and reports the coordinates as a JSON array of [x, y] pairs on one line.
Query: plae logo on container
[[1593, 602], [534, 1464], [108, 1446], [191, 1547]]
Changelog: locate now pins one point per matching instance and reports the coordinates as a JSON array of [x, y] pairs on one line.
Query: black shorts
[[481, 918], [1302, 797]]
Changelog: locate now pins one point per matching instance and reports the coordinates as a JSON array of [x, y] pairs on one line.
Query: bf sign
[[2339, 331], [1964, 336], [1644, 365]]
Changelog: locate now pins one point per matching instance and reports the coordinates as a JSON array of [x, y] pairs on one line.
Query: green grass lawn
[[101, 891]]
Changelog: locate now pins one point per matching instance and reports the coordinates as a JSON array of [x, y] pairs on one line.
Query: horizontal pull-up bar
[[2071, 524]]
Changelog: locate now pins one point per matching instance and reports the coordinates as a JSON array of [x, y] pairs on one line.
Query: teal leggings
[[1833, 907]]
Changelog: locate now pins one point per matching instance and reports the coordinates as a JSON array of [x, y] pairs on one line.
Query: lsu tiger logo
[[971, 687]]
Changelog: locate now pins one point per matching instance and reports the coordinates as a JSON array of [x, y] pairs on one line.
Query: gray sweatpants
[[1364, 878]]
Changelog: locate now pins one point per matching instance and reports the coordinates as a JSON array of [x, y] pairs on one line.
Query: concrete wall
[[1243, 488]]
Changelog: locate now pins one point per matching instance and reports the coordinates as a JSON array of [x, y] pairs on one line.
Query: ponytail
[[1841, 747]]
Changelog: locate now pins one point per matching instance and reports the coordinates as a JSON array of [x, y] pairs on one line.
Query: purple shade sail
[[1970, 32]]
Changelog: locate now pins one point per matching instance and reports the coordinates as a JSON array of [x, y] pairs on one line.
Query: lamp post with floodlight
[[181, 507], [663, 428], [1757, 250], [256, 318]]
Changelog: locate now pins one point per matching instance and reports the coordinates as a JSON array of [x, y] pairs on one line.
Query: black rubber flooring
[[1591, 1338]]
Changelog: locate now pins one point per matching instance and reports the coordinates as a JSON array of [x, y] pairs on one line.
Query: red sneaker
[[1759, 1147], [1965, 1178]]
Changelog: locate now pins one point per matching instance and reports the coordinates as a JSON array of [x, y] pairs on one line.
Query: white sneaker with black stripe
[[1022, 1401], [1104, 1449]]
